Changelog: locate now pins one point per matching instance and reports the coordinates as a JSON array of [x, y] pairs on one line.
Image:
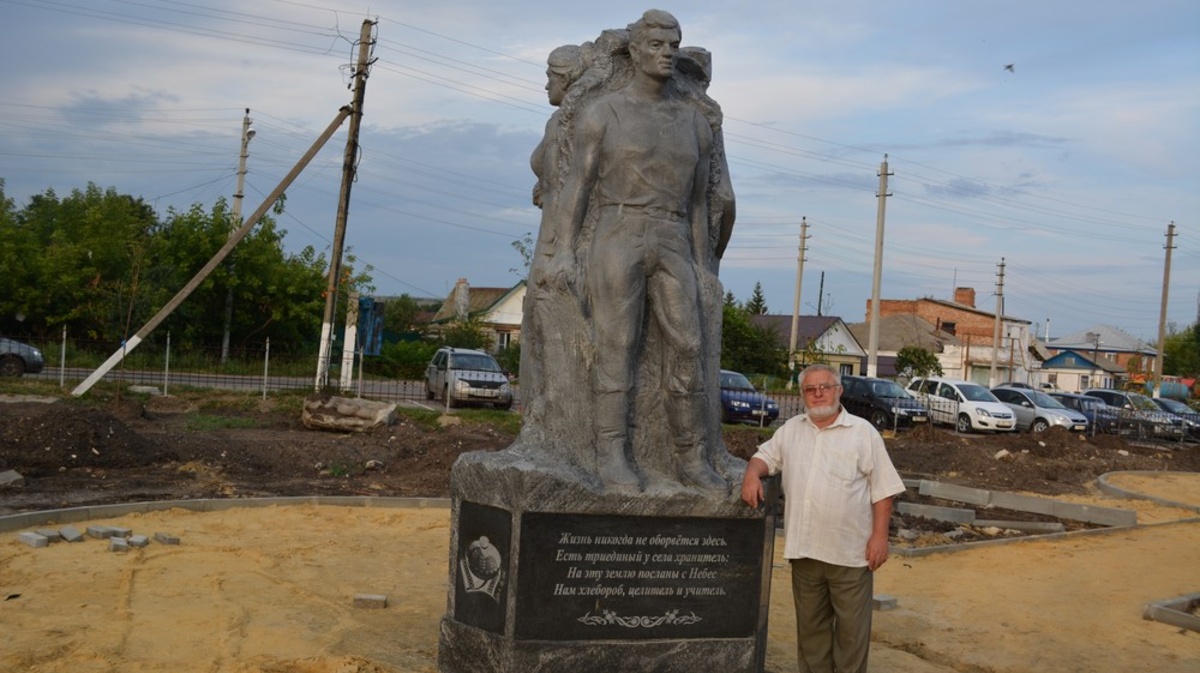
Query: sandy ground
[[269, 590]]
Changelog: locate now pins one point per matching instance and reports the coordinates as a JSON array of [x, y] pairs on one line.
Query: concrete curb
[[1109, 489], [23, 520], [913, 552]]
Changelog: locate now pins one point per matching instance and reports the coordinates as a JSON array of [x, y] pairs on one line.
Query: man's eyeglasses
[[823, 388]]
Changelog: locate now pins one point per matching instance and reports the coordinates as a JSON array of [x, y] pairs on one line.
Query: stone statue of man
[[638, 179]]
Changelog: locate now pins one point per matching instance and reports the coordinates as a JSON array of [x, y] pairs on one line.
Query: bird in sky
[[1009, 67]]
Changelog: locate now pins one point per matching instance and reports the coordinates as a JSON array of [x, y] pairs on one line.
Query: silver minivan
[[965, 405], [465, 376]]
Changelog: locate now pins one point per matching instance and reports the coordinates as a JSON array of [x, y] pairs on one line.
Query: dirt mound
[[202, 447], [54, 436], [1051, 462]]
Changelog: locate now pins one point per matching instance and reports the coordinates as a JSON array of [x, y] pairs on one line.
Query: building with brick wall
[[1015, 357]]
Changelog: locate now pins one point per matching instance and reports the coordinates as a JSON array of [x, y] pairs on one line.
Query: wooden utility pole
[[238, 195], [996, 328], [873, 342], [796, 302], [349, 168], [1162, 313], [203, 273]]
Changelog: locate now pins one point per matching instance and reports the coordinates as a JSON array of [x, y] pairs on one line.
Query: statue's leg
[[675, 297], [616, 289]]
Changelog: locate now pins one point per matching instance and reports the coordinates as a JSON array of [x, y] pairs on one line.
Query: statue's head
[[565, 65], [654, 42]]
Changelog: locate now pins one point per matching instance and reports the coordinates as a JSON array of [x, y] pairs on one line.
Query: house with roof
[[1014, 357], [497, 309], [1075, 371], [1108, 345], [818, 339], [900, 331]]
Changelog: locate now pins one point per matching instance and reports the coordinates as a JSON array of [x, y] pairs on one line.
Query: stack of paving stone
[[119, 539]]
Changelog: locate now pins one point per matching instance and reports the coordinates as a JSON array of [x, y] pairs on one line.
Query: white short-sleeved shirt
[[831, 477]]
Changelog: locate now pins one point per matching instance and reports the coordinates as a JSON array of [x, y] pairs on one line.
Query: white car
[[965, 405], [465, 376]]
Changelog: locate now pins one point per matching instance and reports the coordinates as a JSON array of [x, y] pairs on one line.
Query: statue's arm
[[726, 199], [699, 197], [570, 204]]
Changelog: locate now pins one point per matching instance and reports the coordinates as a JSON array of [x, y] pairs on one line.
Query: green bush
[[405, 359]]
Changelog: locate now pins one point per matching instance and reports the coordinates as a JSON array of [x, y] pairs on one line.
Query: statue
[[623, 304], [620, 445]]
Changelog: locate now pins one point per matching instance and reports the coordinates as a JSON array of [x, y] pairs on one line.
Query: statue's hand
[[560, 272]]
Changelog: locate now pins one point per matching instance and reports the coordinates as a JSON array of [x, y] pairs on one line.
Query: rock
[[345, 414], [1003, 454], [11, 478]]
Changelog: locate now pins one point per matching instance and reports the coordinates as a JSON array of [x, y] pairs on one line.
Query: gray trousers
[[833, 616]]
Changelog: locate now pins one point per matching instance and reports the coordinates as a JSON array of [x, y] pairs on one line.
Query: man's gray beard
[[821, 413]]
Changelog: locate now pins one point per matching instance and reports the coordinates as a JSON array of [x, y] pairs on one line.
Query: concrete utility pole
[[873, 341], [219, 257], [247, 134], [999, 319], [796, 302], [1162, 313], [349, 168]]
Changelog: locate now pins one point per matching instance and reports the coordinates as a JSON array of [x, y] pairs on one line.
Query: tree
[[275, 295], [746, 347], [469, 333], [1181, 351], [524, 246], [913, 362], [79, 262], [757, 304]]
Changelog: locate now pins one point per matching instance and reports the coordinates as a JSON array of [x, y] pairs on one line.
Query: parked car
[[882, 402], [1037, 412], [742, 403], [465, 376], [17, 358], [1148, 418], [1191, 417], [1101, 417], [965, 405]]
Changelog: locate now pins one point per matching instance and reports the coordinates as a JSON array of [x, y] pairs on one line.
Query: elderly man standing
[[838, 483]]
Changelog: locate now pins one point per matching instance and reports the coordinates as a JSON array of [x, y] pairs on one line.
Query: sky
[[1067, 167]]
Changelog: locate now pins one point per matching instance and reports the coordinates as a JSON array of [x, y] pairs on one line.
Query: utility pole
[[219, 257], [873, 343], [996, 329], [1097, 379], [1162, 313], [349, 168], [796, 302], [820, 294], [247, 134]]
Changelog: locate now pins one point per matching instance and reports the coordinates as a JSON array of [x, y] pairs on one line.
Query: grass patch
[[422, 418], [506, 421], [209, 422]]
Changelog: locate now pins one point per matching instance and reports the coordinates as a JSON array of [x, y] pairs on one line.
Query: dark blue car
[[1101, 417], [742, 403], [1191, 417]]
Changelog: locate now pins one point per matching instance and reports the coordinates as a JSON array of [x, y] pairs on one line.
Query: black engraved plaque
[[482, 566], [593, 577]]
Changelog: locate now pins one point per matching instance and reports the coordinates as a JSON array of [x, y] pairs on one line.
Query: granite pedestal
[[551, 575]]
